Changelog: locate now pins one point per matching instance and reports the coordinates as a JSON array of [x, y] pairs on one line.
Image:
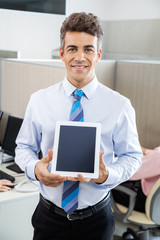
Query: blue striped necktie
[[71, 189]]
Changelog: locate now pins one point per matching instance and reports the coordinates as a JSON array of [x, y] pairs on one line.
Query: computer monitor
[[47, 6], [11, 132], [1, 113]]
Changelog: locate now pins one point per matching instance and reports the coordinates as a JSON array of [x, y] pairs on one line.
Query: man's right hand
[[44, 176]]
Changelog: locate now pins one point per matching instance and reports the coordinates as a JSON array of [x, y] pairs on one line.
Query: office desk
[[16, 209]]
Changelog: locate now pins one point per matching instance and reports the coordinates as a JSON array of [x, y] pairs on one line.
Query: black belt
[[78, 214]]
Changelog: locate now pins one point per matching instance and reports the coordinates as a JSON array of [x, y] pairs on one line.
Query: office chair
[[150, 220]]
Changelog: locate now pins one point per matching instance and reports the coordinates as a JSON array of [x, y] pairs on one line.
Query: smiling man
[[80, 54], [78, 208]]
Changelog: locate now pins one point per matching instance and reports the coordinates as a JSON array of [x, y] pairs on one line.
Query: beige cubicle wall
[[19, 79], [105, 71], [140, 82]]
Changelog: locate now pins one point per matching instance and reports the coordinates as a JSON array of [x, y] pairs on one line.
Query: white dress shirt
[[100, 104]]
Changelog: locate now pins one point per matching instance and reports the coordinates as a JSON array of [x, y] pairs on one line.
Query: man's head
[[82, 22], [81, 40]]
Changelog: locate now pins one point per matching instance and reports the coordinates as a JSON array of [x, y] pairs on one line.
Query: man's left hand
[[103, 173]]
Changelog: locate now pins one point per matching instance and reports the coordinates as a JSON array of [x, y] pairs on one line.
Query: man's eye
[[71, 50], [88, 50]]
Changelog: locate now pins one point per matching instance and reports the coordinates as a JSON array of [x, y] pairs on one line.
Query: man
[[81, 41]]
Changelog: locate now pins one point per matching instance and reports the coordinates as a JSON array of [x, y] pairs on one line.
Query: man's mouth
[[79, 67]]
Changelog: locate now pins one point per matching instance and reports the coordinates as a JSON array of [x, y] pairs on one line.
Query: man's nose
[[79, 56]]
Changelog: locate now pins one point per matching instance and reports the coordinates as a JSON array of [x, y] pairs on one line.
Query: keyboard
[[4, 175]]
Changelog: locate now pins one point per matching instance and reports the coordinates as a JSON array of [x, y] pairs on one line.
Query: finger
[[50, 154], [9, 184], [4, 189], [57, 177], [6, 182], [82, 179], [73, 179], [101, 155], [53, 182], [57, 183], [49, 157]]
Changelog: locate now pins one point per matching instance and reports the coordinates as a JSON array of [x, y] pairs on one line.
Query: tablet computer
[[76, 149]]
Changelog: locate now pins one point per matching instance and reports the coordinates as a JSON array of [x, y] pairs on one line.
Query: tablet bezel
[[95, 174]]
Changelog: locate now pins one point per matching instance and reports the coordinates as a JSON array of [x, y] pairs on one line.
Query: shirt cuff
[[30, 170], [112, 178]]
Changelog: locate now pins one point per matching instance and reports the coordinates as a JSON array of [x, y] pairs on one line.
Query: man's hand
[[103, 173], [44, 176], [4, 185]]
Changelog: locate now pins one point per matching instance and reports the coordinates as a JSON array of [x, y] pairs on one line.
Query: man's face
[[80, 55]]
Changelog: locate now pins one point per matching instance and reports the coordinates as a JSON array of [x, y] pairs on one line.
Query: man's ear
[[61, 54], [99, 55]]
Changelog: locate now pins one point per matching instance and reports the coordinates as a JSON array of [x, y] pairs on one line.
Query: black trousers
[[123, 198], [50, 226]]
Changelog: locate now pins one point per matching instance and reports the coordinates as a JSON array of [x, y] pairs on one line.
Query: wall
[[139, 81], [35, 35], [19, 79], [131, 39], [118, 9]]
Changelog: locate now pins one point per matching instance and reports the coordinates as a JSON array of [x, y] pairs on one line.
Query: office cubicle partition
[[19, 79], [105, 71], [140, 82]]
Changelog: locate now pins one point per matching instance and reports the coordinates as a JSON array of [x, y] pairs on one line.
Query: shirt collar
[[88, 89]]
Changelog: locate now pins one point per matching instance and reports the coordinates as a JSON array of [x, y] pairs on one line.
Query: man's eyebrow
[[74, 46], [89, 46], [71, 46]]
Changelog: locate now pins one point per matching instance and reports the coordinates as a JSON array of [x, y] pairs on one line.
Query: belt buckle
[[74, 216], [69, 216]]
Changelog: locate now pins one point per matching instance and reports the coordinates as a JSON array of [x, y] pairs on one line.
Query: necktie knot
[[78, 94], [77, 111]]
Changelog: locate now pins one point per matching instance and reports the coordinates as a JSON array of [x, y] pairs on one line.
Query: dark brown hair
[[82, 22]]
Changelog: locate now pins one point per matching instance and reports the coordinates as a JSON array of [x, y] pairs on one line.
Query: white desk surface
[[16, 209], [13, 194]]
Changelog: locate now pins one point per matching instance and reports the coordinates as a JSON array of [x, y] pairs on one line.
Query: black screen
[[43, 6], [1, 113], [12, 129], [76, 150]]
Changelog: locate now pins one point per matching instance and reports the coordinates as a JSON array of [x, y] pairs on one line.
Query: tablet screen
[[76, 149]]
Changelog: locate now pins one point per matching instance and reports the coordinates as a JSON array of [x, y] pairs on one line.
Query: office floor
[[117, 238], [151, 238], [120, 228]]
